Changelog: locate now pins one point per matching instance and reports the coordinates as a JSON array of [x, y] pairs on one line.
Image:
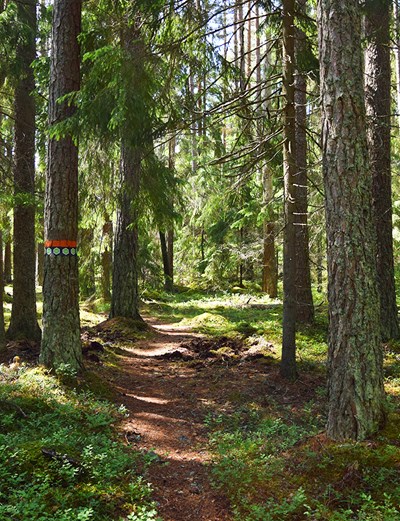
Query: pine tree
[[378, 105], [23, 323], [61, 327], [355, 379]]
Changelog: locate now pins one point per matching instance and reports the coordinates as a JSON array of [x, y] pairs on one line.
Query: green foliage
[[248, 451], [91, 475], [270, 469]]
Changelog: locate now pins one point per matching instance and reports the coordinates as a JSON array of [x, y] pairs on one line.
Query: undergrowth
[[60, 458], [274, 469], [274, 463]]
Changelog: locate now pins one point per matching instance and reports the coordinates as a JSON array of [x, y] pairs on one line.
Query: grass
[[227, 314]]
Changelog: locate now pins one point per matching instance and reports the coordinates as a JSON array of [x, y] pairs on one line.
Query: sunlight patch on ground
[[150, 399]]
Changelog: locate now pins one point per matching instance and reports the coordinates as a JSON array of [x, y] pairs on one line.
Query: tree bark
[[378, 101], [125, 292], [61, 326], [106, 259], [87, 275], [304, 300], [170, 231], [355, 379], [23, 322], [288, 364], [40, 263], [7, 262], [397, 52], [270, 272], [2, 327], [168, 285], [106, 265]]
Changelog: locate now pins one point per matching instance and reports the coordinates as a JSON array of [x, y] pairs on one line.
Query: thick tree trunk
[[7, 262], [23, 322], [356, 394], [304, 300], [125, 292], [61, 327], [378, 101], [288, 363]]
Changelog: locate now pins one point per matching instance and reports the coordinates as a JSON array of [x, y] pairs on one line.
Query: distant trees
[[356, 395]]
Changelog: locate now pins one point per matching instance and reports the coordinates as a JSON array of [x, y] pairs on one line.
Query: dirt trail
[[166, 401]]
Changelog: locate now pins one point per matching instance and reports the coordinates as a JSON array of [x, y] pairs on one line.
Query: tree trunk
[[170, 249], [40, 263], [87, 275], [304, 300], [378, 101], [396, 16], [7, 262], [106, 259], [106, 265], [288, 363], [170, 232], [2, 328], [61, 327], [168, 284], [355, 380], [125, 292], [320, 260], [23, 322], [270, 273]]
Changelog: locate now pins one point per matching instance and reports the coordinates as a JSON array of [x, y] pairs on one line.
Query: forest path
[[167, 402]]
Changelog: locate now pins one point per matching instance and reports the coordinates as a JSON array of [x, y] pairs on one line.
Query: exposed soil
[[169, 384]]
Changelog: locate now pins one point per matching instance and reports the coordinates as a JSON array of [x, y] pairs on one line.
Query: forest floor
[[166, 403], [191, 402], [170, 384]]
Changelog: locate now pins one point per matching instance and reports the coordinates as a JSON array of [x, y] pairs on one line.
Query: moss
[[96, 383], [392, 428], [127, 328]]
